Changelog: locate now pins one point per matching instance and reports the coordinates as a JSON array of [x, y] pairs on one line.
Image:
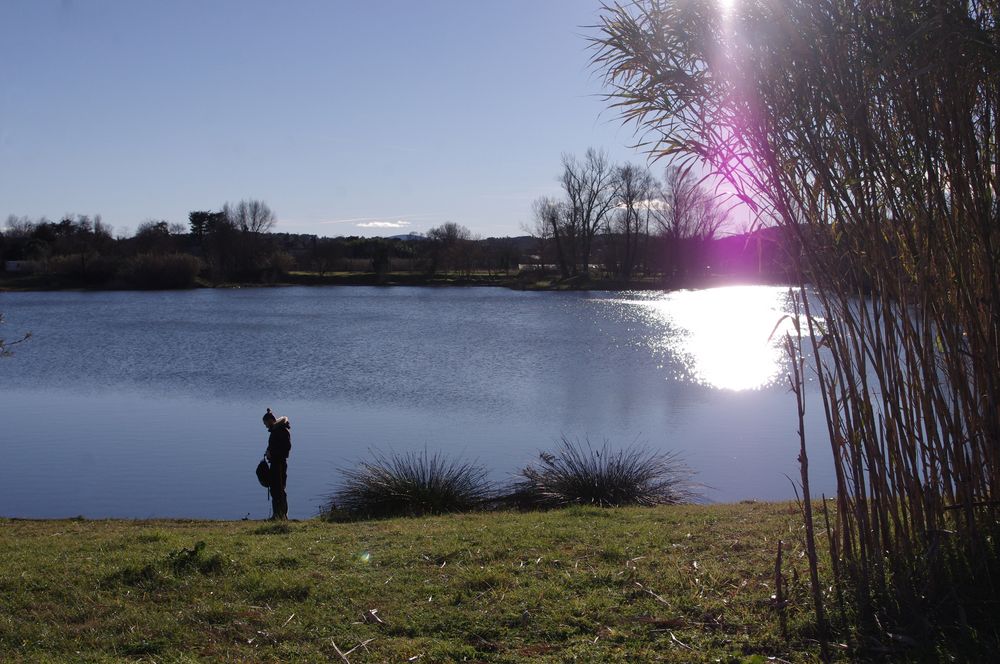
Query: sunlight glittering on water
[[728, 338]]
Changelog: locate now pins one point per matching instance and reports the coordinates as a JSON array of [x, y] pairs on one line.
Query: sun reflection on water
[[723, 336]]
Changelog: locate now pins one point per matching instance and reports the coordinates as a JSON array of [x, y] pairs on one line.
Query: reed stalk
[[869, 131]]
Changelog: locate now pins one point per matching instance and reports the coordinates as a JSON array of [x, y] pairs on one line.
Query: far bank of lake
[[528, 280]]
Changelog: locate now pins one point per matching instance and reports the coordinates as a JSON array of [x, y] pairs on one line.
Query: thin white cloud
[[384, 224], [346, 221], [388, 218]]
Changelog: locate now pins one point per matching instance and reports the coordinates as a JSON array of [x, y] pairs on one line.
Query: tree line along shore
[[615, 226]]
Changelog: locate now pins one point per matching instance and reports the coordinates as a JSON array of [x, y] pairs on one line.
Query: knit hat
[[268, 415]]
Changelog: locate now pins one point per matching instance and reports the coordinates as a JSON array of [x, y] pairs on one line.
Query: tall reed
[[869, 131]]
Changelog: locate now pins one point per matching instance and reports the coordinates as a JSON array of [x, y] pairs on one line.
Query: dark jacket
[[279, 443]]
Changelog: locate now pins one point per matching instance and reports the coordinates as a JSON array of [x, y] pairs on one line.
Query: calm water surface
[[128, 404]]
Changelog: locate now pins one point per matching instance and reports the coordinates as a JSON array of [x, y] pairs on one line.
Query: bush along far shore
[[180, 272]]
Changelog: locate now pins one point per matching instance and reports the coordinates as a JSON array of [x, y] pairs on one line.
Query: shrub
[[581, 475], [280, 263], [155, 271], [85, 268], [410, 485]]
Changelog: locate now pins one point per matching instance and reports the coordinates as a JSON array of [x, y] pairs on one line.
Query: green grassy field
[[690, 583]]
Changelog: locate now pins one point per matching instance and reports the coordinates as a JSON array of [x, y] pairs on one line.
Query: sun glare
[[723, 336], [726, 7]]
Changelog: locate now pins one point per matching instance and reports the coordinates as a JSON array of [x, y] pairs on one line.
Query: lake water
[[149, 404]]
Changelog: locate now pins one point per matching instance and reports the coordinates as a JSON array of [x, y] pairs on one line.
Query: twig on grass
[[658, 597], [363, 644], [678, 641], [340, 654]]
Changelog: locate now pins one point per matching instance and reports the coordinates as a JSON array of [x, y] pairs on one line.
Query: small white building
[[16, 266]]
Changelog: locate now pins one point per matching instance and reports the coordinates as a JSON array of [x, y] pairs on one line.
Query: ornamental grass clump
[[410, 485], [578, 474]]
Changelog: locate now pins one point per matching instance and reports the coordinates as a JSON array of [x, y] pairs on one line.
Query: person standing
[[279, 444]]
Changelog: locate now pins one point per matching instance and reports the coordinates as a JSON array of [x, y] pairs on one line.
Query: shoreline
[[14, 283], [500, 513]]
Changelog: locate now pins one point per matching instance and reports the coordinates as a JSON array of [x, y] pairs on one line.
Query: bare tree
[[629, 222], [689, 210], [540, 231], [450, 247], [552, 221], [102, 229], [686, 222], [591, 193], [15, 241], [250, 216], [20, 227], [239, 239], [450, 233]]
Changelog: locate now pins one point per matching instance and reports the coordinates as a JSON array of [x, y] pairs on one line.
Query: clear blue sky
[[336, 113]]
